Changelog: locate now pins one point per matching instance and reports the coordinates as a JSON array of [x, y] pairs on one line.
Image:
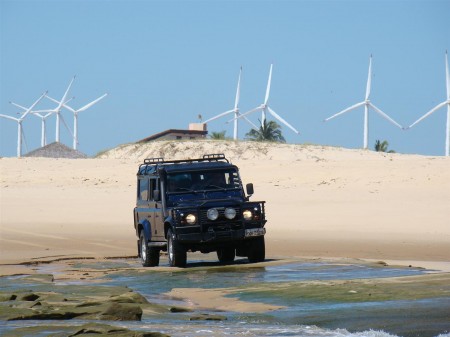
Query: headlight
[[247, 214], [230, 213], [191, 219], [212, 214]]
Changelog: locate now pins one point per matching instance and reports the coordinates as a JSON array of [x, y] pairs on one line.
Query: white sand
[[321, 201]]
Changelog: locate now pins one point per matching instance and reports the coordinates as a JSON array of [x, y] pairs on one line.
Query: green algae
[[346, 291], [86, 330], [65, 302]]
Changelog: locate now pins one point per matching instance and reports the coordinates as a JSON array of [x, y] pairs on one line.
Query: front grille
[[221, 219]]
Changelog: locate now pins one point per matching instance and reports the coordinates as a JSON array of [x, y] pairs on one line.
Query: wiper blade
[[183, 189], [215, 186]]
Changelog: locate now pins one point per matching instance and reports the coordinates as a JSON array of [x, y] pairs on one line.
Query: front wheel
[[177, 253], [256, 250], [226, 255], [149, 255]]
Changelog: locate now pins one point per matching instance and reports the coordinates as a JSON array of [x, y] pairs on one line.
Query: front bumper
[[220, 235]]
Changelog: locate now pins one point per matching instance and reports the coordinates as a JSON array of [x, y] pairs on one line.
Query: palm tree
[[217, 135], [268, 131], [382, 146]]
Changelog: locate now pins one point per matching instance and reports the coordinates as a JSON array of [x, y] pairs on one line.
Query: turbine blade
[[251, 123], [64, 122], [274, 114], [33, 105], [87, 106], [9, 117], [246, 113], [437, 107], [369, 79], [52, 99], [385, 116], [42, 111], [24, 138], [266, 99], [357, 105], [447, 76], [218, 116], [19, 106], [238, 91], [63, 99]]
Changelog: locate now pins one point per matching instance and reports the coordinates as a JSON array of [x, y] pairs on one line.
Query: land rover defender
[[196, 205]]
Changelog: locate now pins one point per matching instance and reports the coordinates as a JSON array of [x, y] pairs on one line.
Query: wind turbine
[[42, 117], [366, 103], [235, 110], [43, 126], [440, 105], [264, 108], [58, 108], [75, 117], [19, 121], [63, 103]]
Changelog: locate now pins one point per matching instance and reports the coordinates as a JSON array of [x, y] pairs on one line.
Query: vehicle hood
[[207, 199]]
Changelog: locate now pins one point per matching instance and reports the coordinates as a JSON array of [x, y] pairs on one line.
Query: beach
[[320, 202], [340, 223]]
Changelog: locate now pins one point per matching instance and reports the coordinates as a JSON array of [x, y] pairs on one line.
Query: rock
[[207, 317], [121, 312], [29, 297], [130, 297], [179, 309], [7, 297]]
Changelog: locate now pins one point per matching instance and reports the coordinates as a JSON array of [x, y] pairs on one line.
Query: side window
[[143, 189], [227, 178], [152, 185], [234, 179]]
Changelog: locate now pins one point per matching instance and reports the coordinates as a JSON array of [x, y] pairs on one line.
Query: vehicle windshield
[[203, 180]]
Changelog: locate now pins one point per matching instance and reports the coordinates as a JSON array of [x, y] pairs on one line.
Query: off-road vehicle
[[196, 205]]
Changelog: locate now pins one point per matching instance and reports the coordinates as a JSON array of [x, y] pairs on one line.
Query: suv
[[196, 205]]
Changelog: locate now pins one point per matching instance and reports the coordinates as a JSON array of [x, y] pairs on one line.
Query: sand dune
[[321, 201]]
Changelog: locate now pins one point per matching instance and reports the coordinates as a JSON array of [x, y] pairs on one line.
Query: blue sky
[[165, 62]]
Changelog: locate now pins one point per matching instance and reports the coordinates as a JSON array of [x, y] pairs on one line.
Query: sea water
[[427, 317]]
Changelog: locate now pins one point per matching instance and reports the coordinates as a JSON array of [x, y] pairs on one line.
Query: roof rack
[[153, 160], [157, 161], [214, 156]]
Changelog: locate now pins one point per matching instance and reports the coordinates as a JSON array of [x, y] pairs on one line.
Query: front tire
[[256, 250], [226, 255], [149, 255], [176, 251]]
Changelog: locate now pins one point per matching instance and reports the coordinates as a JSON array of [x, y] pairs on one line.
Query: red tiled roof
[[175, 131]]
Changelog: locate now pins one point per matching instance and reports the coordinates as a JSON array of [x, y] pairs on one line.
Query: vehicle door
[[144, 209], [158, 220]]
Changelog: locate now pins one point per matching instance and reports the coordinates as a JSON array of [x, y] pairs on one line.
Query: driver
[[215, 179]]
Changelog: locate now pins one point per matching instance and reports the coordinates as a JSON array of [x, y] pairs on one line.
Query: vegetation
[[269, 131], [382, 146], [217, 135]]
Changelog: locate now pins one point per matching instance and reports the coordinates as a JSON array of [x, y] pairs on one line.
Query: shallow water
[[304, 314]]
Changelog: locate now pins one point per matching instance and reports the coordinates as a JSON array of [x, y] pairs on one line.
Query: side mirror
[[249, 188], [156, 195]]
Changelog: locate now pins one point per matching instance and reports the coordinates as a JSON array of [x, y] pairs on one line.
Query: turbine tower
[[43, 126], [264, 107], [440, 105], [367, 104], [20, 133], [235, 110]]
